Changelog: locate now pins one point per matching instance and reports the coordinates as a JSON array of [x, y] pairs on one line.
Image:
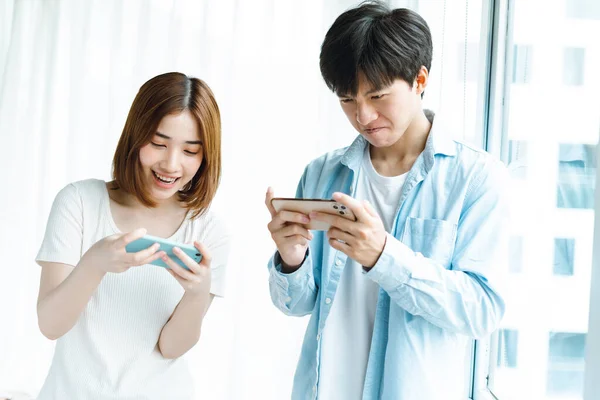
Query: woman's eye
[[191, 153], [157, 145]]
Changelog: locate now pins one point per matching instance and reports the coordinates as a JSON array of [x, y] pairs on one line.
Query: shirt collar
[[438, 142]]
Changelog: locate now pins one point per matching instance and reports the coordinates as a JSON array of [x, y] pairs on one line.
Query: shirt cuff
[[289, 281]]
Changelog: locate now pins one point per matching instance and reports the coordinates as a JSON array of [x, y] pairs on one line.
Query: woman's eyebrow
[[162, 135]]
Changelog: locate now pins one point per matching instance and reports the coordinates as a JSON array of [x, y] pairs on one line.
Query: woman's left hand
[[196, 281]]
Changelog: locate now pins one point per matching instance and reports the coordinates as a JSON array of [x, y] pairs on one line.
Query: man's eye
[[345, 100], [377, 96], [157, 145]]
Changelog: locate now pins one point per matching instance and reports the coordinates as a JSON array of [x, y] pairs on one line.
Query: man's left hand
[[362, 240]]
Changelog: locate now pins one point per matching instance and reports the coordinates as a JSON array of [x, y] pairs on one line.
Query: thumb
[[268, 197]]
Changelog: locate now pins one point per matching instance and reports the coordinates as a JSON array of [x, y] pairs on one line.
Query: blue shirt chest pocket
[[433, 238]]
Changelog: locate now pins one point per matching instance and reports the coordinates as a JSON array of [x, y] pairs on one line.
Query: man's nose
[[365, 114]]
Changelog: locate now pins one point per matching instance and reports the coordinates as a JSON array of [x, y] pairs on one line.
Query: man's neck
[[400, 157]]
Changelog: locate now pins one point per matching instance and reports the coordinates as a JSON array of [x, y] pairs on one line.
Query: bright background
[[69, 70]]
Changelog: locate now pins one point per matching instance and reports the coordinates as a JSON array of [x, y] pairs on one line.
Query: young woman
[[122, 325]]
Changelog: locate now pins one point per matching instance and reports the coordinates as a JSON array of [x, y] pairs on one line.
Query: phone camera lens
[[342, 213], [335, 206], [343, 207]]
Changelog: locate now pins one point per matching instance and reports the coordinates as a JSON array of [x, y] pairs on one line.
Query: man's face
[[382, 116]]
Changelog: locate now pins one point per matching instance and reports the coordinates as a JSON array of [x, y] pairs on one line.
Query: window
[[563, 256], [509, 341], [576, 174], [549, 130], [565, 364]]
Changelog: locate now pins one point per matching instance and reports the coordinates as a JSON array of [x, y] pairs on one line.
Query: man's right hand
[[289, 234]]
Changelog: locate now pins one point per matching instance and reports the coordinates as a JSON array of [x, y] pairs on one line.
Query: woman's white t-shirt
[[111, 352]]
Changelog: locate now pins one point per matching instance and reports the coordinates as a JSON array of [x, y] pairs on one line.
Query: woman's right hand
[[288, 233], [109, 254]]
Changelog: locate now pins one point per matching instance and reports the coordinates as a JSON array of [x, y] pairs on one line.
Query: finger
[[180, 271], [293, 216], [187, 260], [335, 233], [343, 247], [170, 272], [354, 205], [138, 257], [149, 260], [131, 236], [206, 256], [268, 197], [295, 229], [179, 279], [333, 220], [285, 217], [296, 240]]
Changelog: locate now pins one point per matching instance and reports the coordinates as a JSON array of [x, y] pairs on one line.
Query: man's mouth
[[373, 130]]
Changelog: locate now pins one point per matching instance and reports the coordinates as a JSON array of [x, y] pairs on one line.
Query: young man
[[396, 296]]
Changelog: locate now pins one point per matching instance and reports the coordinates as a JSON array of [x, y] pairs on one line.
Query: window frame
[[592, 351], [496, 31], [494, 95]]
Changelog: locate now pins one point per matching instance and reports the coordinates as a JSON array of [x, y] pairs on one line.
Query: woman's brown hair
[[171, 93]]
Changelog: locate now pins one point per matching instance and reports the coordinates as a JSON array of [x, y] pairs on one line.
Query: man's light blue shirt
[[439, 272]]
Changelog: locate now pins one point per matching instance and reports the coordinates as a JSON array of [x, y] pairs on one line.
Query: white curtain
[[69, 70]]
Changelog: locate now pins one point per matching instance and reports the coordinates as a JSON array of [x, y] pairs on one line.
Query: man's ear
[[421, 80]]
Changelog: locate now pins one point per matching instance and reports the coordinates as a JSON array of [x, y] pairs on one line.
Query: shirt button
[[338, 262], [288, 299], [318, 336], [328, 301]]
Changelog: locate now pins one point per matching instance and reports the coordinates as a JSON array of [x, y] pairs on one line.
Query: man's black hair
[[382, 43]]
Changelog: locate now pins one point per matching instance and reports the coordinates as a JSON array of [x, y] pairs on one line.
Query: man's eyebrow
[[370, 92], [162, 135]]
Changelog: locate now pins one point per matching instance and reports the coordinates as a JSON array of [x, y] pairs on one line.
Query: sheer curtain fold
[[69, 71], [6, 25]]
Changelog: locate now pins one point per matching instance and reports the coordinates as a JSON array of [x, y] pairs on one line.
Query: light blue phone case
[[165, 245]]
